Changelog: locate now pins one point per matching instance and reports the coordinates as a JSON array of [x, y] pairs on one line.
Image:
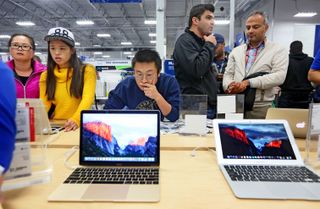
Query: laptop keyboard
[[271, 173], [114, 176]]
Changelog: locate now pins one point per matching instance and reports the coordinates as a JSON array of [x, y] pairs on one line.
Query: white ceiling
[[124, 22]]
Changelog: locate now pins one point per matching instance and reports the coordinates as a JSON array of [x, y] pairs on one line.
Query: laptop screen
[[260, 141], [119, 137]]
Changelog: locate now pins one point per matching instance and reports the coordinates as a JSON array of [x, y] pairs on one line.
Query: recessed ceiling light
[[5, 36], [152, 34], [131, 56], [106, 56], [305, 14], [103, 35], [96, 45], [37, 53], [150, 22], [25, 23], [221, 22], [153, 41], [96, 53], [3, 53], [126, 43], [127, 53], [36, 44], [77, 44], [85, 22]]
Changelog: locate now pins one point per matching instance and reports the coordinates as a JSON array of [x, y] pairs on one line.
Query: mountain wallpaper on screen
[[250, 142], [99, 141]]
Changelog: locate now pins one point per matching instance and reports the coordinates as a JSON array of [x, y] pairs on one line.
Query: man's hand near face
[[150, 90], [210, 38]]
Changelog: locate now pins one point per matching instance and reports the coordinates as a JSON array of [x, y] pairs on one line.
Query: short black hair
[[25, 35], [147, 55], [296, 47], [198, 10]]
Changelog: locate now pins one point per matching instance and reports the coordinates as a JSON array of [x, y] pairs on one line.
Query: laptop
[[119, 158], [41, 120], [260, 160], [298, 119]]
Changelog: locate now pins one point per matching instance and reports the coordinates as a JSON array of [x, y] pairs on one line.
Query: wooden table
[[186, 182]]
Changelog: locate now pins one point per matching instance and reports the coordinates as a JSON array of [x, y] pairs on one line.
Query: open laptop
[[260, 159], [119, 158], [41, 120], [298, 119]]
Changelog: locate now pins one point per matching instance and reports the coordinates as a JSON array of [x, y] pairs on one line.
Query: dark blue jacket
[[128, 95], [7, 115]]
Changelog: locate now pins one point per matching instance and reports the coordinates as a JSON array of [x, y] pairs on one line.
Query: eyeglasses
[[24, 47], [141, 76]]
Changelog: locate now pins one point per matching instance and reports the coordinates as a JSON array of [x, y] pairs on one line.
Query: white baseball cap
[[60, 33]]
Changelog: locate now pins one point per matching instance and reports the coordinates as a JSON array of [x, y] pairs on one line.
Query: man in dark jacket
[[193, 56], [296, 88]]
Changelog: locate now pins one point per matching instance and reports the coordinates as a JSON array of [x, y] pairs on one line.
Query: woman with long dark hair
[[68, 86]]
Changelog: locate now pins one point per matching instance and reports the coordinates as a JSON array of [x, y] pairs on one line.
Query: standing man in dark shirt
[[193, 56], [296, 88]]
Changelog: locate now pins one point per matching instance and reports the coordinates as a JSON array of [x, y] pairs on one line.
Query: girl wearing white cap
[[68, 86]]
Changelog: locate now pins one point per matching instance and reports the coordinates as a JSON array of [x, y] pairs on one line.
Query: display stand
[[29, 166], [193, 113], [313, 137]]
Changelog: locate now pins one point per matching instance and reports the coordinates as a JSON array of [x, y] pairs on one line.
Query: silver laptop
[[260, 159], [41, 120], [119, 158], [298, 119]]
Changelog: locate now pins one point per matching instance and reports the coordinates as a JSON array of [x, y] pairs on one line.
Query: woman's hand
[[70, 125]]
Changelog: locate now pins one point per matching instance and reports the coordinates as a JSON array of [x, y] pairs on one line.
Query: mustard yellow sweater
[[68, 107]]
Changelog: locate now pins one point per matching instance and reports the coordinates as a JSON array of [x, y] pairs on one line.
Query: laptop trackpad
[[106, 192]]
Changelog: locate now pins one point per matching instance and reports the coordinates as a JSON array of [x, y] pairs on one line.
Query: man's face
[[205, 23], [219, 50], [145, 72], [256, 29]]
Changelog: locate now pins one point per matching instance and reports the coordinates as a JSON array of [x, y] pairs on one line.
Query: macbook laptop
[[298, 119], [260, 159], [119, 158], [41, 120]]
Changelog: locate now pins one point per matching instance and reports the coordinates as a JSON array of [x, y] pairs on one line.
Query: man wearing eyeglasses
[[148, 89]]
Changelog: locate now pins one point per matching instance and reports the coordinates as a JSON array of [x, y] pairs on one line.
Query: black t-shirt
[[23, 79]]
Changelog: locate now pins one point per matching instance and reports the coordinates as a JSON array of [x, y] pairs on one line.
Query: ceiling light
[[5, 36], [127, 53], [97, 53], [37, 53], [152, 34], [77, 44], [305, 14], [131, 56], [103, 35], [96, 45], [153, 41], [25, 23], [36, 44], [85, 22], [126, 43], [221, 22], [3, 53], [106, 56], [150, 22]]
